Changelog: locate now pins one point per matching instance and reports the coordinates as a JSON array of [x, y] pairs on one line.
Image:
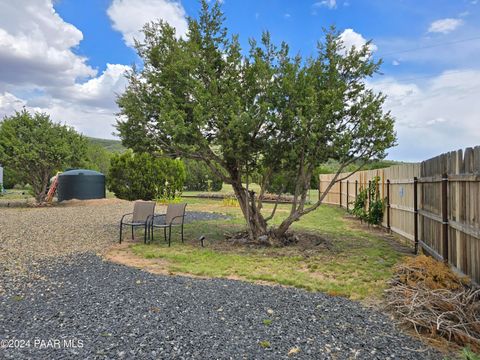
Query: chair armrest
[[179, 216], [121, 220]]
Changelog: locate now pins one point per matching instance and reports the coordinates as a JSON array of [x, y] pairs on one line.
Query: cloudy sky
[[68, 57]]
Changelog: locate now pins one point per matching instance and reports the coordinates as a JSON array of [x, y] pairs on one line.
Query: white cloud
[[445, 26], [41, 72], [331, 4], [434, 116], [36, 46], [351, 38], [395, 62], [9, 103], [100, 91], [129, 16]]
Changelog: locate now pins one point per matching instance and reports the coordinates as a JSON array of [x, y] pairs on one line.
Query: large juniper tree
[[199, 97], [36, 148]]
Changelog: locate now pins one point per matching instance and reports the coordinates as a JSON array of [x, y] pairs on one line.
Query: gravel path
[[72, 304], [119, 312], [28, 235]]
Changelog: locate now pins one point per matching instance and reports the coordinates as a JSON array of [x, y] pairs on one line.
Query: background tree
[[35, 148], [97, 158], [265, 112], [134, 176], [200, 177]]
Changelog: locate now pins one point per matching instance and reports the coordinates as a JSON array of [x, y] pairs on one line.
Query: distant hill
[[114, 146]]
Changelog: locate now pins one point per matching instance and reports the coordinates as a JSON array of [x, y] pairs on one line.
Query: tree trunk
[[255, 221], [39, 186]]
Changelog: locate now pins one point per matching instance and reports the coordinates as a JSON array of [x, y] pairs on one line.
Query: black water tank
[[81, 184]]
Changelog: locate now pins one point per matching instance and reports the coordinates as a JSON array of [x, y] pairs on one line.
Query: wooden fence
[[435, 204]]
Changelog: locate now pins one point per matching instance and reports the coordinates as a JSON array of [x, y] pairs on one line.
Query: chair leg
[[121, 228], [133, 236], [182, 233], [165, 233], [145, 234], [169, 235]]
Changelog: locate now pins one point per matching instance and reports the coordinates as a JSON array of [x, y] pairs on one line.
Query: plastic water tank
[[81, 184]]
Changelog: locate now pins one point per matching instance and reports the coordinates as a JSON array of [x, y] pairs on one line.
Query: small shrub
[[267, 322], [230, 201], [165, 200], [265, 344], [369, 211]]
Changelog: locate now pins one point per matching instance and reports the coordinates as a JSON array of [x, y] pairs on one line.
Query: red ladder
[[53, 188]]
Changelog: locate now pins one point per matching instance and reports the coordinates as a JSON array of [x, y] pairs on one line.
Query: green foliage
[[468, 354], [265, 112], [98, 158], [200, 177], [332, 165], [11, 178], [282, 182], [369, 211], [143, 176], [35, 148], [265, 344], [360, 205]]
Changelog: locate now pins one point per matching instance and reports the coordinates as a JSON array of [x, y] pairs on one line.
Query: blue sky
[[67, 57]]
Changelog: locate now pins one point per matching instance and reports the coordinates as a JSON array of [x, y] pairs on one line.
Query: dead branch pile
[[428, 296]]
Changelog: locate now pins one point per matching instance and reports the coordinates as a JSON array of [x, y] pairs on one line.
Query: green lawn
[[355, 263], [14, 194]]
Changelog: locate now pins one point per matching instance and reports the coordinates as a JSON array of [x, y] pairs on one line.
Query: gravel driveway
[[116, 312], [28, 235], [70, 303]]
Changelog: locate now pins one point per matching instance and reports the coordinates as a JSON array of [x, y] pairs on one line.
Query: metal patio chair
[[175, 216], [142, 215]]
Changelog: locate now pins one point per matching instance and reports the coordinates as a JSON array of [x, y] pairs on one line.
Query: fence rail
[[435, 204]]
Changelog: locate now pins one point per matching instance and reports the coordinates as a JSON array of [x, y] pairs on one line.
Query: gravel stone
[[124, 313], [28, 235], [54, 287]]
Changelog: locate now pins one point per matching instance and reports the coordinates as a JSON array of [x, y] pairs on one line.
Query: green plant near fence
[[369, 206]]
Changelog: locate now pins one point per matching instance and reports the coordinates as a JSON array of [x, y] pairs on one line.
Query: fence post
[[445, 216], [415, 213], [340, 193], [369, 193], [347, 195], [356, 189], [388, 205]]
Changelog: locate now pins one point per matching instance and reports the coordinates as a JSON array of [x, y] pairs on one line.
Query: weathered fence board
[[447, 222]]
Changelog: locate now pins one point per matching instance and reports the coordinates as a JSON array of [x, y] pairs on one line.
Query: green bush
[[282, 182], [143, 176], [372, 211], [10, 178], [200, 177]]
